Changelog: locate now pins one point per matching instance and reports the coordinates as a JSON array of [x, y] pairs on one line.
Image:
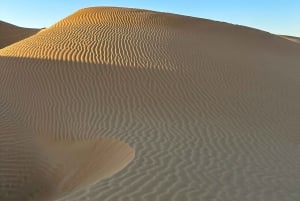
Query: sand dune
[[211, 110], [292, 38], [10, 34]]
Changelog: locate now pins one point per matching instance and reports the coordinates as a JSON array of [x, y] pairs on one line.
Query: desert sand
[[10, 34], [127, 104], [292, 38]]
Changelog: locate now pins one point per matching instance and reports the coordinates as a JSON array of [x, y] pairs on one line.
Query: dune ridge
[[211, 109], [10, 33]]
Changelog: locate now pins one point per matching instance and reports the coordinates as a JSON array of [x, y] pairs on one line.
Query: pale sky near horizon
[[275, 16]]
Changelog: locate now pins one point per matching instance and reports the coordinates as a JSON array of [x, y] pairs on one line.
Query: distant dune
[[195, 109], [292, 38], [10, 34]]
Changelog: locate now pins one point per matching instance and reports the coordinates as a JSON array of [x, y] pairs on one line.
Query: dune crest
[[211, 109]]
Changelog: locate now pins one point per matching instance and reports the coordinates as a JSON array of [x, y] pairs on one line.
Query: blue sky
[[275, 16]]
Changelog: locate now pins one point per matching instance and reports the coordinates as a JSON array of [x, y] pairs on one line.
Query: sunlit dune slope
[[211, 110], [10, 34]]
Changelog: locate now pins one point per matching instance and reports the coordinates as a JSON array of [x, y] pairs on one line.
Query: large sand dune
[[10, 34], [212, 111]]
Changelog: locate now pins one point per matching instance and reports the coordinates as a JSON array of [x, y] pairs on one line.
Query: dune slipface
[[10, 34], [211, 109]]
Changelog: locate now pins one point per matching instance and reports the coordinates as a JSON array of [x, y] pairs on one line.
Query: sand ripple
[[39, 168], [211, 109]]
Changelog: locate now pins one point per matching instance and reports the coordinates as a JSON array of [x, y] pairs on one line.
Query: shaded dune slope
[[211, 109], [10, 34]]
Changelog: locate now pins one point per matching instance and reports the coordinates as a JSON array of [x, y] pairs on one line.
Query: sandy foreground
[[126, 104]]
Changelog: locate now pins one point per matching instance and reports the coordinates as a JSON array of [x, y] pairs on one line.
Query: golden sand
[[211, 109], [10, 34]]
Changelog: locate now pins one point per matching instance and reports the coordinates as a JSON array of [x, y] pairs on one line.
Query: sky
[[275, 16]]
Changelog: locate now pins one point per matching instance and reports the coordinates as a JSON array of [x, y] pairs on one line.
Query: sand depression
[[210, 110]]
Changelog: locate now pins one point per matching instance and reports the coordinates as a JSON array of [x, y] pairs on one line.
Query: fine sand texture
[[10, 34], [195, 109]]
